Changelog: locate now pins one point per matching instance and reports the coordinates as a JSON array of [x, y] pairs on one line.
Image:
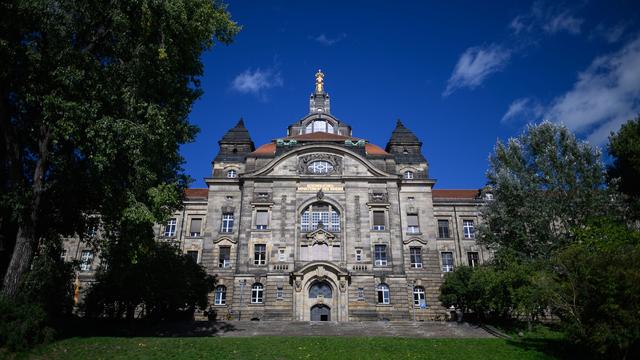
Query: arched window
[[419, 296], [318, 213], [232, 174], [257, 292], [320, 167], [383, 294], [221, 295], [408, 174], [321, 288], [319, 126]]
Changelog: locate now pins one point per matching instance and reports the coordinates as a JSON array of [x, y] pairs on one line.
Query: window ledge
[[413, 233]]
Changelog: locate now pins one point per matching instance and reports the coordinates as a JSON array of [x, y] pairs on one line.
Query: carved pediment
[[305, 161], [378, 197], [320, 236]]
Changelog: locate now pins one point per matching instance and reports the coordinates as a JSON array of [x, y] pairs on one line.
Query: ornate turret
[[405, 146], [235, 144], [319, 101]]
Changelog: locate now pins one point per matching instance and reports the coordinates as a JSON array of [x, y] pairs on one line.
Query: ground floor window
[[221, 295], [383, 294], [419, 296], [257, 291]]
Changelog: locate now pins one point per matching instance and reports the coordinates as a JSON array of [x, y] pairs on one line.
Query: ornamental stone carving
[[306, 160], [379, 197]]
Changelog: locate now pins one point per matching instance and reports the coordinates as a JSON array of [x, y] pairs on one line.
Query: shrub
[[23, 325]]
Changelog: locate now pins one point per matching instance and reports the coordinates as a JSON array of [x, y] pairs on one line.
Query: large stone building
[[322, 225]]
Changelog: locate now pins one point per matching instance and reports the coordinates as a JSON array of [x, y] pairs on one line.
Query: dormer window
[[408, 175], [319, 126], [232, 174]]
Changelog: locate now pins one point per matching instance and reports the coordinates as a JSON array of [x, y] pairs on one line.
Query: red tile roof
[[455, 194], [266, 149], [196, 193], [373, 149]]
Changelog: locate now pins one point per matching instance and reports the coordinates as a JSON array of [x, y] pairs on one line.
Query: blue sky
[[459, 74]]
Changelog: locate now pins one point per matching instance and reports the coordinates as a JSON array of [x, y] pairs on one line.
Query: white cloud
[[475, 65], [551, 19], [327, 41], [610, 34], [604, 96], [256, 82], [526, 109]]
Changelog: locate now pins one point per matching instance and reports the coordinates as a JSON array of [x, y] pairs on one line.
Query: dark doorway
[[320, 313]]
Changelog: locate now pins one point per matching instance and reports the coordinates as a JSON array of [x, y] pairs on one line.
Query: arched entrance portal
[[320, 313]]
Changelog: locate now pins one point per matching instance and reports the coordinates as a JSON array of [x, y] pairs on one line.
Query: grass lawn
[[283, 348]]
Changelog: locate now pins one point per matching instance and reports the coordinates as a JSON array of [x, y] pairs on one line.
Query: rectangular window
[[224, 259], [262, 219], [193, 254], [86, 259], [380, 255], [412, 224], [170, 228], [260, 254], [63, 254], [416, 257], [473, 258], [279, 293], [227, 223], [282, 256], [443, 229], [196, 227], [379, 220], [469, 230], [358, 255], [360, 294], [335, 221], [304, 222], [447, 261]]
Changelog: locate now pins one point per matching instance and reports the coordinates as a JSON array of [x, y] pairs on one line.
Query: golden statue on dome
[[319, 81]]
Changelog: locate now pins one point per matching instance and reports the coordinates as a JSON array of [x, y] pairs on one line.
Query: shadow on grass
[[557, 348], [78, 327]]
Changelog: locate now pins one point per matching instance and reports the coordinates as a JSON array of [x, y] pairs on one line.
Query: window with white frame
[[360, 294], [383, 294], [380, 253], [408, 175], [359, 255], [469, 229], [221, 295], [447, 261], [260, 254], [379, 220], [415, 253], [320, 167], [319, 126], [413, 227], [282, 255], [318, 213], [231, 174], [170, 228], [473, 258], [63, 254], [224, 257], [227, 223], [86, 259], [196, 227], [443, 229], [419, 298], [262, 219], [257, 293]]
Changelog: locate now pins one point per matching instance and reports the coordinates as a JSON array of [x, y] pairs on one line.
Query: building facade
[[322, 225]]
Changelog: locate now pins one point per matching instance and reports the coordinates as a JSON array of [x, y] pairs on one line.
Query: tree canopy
[[624, 172], [94, 103]]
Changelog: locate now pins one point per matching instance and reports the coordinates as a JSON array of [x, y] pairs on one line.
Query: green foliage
[[596, 289], [545, 183], [160, 281], [23, 325], [95, 101], [624, 172]]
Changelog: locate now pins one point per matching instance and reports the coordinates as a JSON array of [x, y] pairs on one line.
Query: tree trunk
[[20, 260]]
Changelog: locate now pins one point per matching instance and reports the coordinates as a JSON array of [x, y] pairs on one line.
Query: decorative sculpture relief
[[379, 197]]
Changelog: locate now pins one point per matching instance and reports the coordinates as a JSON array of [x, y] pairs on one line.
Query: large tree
[[94, 99], [624, 172], [545, 184]]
